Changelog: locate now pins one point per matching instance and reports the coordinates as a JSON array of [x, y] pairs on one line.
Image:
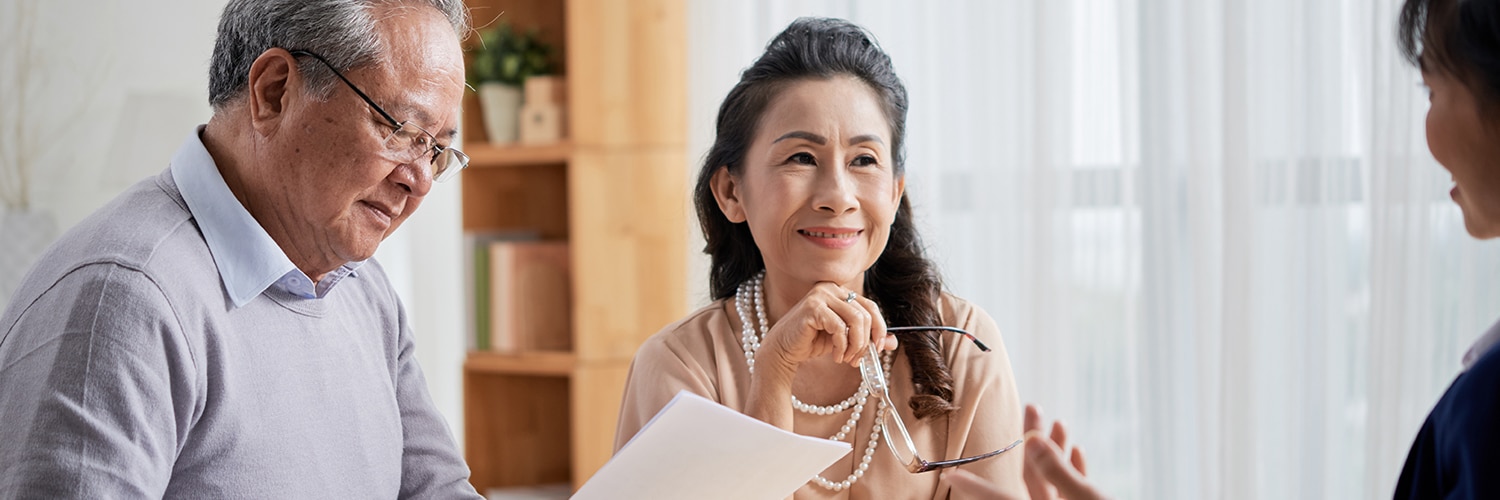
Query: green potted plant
[[498, 66]]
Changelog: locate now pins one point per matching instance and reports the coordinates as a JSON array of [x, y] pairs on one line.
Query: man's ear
[[272, 76], [727, 192]]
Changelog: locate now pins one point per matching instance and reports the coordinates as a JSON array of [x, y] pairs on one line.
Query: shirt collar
[[1482, 346], [249, 261]]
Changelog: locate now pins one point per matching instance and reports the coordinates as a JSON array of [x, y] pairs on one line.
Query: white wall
[[126, 82], [424, 261], [119, 87]]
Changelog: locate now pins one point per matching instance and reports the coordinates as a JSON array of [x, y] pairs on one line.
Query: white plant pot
[[23, 236], [502, 109]]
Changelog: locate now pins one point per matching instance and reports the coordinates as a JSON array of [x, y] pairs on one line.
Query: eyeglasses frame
[[437, 149], [874, 376]]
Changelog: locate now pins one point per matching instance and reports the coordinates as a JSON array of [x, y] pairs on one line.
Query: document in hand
[[696, 448]]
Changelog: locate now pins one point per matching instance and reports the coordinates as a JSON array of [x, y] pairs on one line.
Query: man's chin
[[359, 251]]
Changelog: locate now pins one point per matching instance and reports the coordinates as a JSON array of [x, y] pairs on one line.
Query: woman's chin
[[1481, 227], [832, 274]]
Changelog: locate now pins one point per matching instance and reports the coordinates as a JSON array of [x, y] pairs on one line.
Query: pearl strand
[[748, 340], [875, 429], [753, 292]]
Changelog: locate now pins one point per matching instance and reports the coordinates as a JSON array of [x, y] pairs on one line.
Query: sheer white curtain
[[1210, 229]]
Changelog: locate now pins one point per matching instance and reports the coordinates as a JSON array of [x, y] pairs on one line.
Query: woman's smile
[[833, 238]]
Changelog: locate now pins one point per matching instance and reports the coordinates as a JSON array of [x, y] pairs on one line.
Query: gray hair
[[342, 31]]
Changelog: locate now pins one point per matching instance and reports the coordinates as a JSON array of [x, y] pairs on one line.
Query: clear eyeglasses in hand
[[902, 447]]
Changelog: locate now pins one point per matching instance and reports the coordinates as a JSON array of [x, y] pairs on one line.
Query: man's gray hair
[[342, 31]]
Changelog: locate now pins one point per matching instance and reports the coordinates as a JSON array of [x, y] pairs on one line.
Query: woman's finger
[[836, 326], [1033, 420], [878, 333], [1036, 485], [1079, 462], [1060, 434], [859, 329], [1045, 458], [856, 320], [821, 346]]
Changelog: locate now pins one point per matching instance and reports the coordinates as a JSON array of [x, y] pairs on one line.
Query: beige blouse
[[702, 354]]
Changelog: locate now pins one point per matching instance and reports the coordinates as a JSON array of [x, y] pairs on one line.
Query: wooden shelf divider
[[526, 363], [484, 155]]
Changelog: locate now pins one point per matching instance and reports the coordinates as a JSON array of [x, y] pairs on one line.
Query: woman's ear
[[900, 189], [727, 193]]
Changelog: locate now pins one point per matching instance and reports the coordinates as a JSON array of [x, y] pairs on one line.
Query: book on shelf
[[477, 281], [530, 296]]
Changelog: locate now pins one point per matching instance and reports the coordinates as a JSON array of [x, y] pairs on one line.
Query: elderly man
[[218, 331]]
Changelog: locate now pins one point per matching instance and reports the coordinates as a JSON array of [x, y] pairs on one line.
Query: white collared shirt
[[249, 261], [1482, 345]]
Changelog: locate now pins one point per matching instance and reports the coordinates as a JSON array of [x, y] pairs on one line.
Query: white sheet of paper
[[696, 448]]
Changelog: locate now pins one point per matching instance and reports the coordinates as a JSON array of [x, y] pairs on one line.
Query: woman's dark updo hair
[[1460, 38], [902, 282]]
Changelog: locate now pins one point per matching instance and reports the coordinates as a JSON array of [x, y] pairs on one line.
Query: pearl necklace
[[751, 294]]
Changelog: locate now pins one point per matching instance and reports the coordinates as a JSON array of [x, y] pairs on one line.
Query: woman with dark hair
[[1456, 43], [814, 254]]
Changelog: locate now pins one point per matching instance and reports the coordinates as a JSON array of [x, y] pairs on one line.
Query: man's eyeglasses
[[410, 142], [903, 447]]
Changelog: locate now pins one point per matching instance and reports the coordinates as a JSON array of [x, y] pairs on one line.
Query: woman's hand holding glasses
[[829, 320]]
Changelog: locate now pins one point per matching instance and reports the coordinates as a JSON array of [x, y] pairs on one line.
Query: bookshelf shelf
[[614, 191], [484, 155], [530, 363]]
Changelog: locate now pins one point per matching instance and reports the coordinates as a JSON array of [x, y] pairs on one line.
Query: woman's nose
[[834, 191]]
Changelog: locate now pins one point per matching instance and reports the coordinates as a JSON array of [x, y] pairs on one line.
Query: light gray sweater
[[125, 372]]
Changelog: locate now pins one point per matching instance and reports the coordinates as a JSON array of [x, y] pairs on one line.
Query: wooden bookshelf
[[484, 155], [527, 363], [615, 190]]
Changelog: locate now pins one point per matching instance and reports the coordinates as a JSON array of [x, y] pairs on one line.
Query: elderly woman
[[815, 258]]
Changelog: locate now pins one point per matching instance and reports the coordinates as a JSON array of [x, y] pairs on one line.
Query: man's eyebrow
[[806, 136], [406, 111], [424, 120]]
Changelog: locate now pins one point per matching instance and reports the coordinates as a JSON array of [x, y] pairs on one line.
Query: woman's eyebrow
[[820, 140], [806, 136]]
